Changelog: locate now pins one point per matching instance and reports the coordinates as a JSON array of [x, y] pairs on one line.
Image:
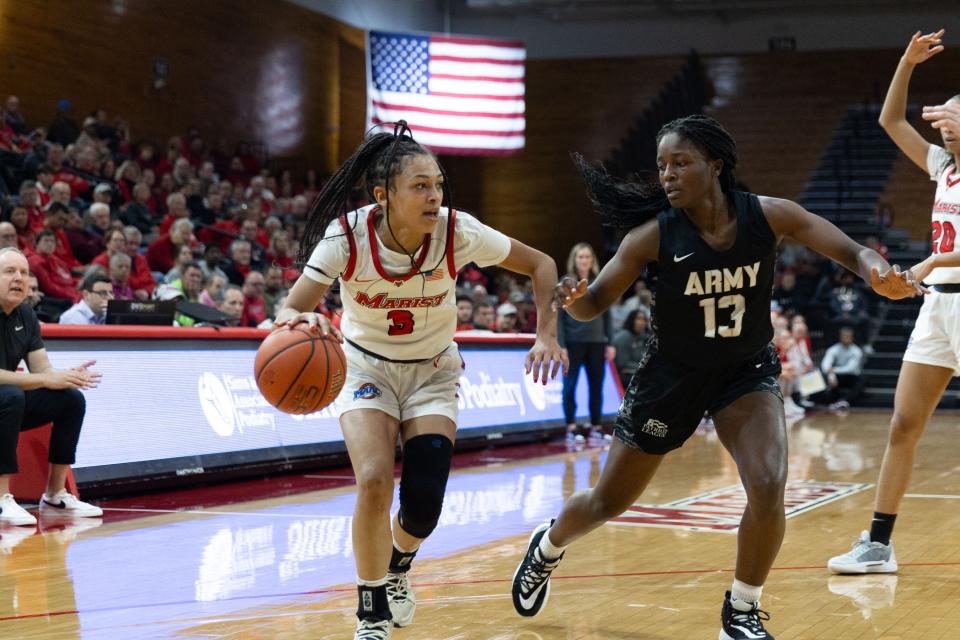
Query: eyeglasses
[[103, 294]]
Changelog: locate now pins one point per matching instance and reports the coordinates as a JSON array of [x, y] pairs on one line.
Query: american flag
[[460, 95]]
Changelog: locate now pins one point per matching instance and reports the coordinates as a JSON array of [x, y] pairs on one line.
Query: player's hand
[[568, 291], [895, 284], [545, 359], [922, 269], [944, 116], [610, 352], [924, 47], [316, 323]]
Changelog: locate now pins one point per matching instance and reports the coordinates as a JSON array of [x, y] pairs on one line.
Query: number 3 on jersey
[[710, 328], [944, 236], [402, 322]]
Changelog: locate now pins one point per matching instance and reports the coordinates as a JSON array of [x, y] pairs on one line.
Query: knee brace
[[423, 481]]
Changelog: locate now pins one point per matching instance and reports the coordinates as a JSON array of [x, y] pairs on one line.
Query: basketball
[[299, 371]]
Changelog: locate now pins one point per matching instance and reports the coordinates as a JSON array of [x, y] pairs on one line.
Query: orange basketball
[[299, 371]]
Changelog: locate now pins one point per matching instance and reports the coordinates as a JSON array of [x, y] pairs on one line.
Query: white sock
[[744, 596], [547, 549], [372, 583]]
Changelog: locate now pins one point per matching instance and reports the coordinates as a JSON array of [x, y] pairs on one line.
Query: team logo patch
[[655, 428], [367, 391], [721, 510]]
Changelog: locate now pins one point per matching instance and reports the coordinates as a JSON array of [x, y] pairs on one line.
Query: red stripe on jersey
[[352, 261], [451, 232], [375, 252], [951, 183]]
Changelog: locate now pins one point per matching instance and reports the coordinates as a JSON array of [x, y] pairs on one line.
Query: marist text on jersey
[[383, 301]]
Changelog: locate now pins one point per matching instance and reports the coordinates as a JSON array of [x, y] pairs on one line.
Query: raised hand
[[924, 47], [944, 116], [568, 291]]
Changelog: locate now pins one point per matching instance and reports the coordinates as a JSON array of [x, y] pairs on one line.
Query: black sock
[[882, 527], [400, 560], [373, 603]]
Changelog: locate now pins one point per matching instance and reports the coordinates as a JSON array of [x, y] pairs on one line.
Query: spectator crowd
[[103, 217], [88, 205]]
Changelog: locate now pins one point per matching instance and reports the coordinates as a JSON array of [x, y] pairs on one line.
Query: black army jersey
[[712, 308]]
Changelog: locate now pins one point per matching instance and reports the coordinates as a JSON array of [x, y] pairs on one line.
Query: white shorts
[[936, 336], [402, 390]]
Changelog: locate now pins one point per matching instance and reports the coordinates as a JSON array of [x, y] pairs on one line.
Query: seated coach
[[29, 400]]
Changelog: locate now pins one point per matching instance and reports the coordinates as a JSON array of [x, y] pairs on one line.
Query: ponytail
[[622, 204], [373, 164]]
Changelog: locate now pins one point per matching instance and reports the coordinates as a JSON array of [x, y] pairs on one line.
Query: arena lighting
[[279, 99]]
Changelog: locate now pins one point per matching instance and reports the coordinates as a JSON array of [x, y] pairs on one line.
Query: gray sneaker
[[865, 557]]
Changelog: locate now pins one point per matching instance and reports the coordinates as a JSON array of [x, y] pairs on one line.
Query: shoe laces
[[373, 629], [536, 571], [864, 543], [398, 587], [752, 620]]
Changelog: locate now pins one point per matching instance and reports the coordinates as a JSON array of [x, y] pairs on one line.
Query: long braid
[[374, 163], [622, 204], [625, 204], [336, 195]]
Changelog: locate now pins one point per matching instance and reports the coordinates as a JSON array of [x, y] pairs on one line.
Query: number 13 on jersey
[[710, 305]]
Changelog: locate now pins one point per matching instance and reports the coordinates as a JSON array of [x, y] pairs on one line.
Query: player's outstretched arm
[[639, 247], [922, 269], [547, 357], [788, 219], [893, 116]]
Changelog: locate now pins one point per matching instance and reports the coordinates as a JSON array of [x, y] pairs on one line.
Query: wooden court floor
[[282, 568]]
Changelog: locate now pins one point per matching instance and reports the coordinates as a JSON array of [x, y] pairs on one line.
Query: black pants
[[590, 355], [849, 387], [22, 410]]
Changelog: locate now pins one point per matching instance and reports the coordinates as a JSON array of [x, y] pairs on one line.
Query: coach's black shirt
[[712, 308], [21, 335]]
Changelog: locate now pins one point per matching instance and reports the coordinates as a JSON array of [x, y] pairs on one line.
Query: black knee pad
[[423, 481]]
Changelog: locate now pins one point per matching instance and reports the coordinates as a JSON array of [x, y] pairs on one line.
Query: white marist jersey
[[946, 211], [390, 308]]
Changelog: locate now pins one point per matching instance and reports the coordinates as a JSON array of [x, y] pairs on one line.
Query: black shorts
[[666, 400]]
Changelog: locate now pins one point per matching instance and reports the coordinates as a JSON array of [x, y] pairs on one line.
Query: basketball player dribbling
[[397, 262], [716, 248], [933, 352]]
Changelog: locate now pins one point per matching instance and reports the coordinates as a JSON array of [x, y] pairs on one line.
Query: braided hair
[[374, 164], [625, 204]]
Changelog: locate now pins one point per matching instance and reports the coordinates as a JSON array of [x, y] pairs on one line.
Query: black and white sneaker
[[403, 602], [531, 580], [372, 629], [743, 625]]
